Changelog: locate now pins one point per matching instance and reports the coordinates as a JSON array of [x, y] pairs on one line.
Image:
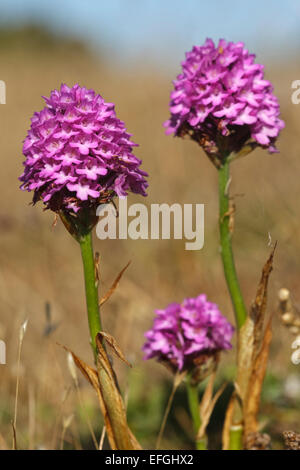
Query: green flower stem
[[226, 247], [193, 399], [236, 437], [91, 288]]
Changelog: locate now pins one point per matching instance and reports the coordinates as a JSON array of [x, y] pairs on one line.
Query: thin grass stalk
[[102, 437], [166, 414], [14, 422]]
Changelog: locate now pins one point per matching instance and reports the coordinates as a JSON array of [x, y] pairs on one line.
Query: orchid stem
[[91, 288], [226, 247], [193, 399], [236, 437]]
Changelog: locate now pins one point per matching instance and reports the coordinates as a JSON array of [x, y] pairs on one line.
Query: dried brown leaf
[[115, 347], [244, 357], [250, 334], [258, 307], [252, 401], [207, 405], [114, 404], [114, 286], [92, 377]]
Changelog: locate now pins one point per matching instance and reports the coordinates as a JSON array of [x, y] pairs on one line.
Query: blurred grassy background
[[40, 264]]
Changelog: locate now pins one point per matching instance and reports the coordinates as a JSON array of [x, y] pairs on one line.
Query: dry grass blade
[[114, 286], [22, 332], [251, 405], [92, 377], [66, 424], [228, 423], [31, 416], [178, 378], [72, 369], [111, 404], [233, 417], [59, 417], [207, 404], [102, 437], [15, 447], [113, 401]]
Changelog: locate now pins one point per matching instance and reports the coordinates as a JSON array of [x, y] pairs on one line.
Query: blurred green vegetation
[[38, 40]]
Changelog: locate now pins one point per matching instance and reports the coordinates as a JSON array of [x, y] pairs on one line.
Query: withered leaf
[[258, 307], [111, 404], [92, 377], [207, 405], [252, 401], [114, 404], [113, 286], [250, 334], [115, 347]]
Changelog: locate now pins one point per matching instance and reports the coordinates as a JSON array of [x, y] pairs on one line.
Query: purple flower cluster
[[78, 153], [181, 333], [221, 93]]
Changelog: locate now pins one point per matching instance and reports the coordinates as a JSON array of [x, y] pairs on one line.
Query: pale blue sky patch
[[162, 30]]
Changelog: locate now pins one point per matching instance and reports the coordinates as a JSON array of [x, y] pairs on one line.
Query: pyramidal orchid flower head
[[189, 336], [223, 102], [78, 155]]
